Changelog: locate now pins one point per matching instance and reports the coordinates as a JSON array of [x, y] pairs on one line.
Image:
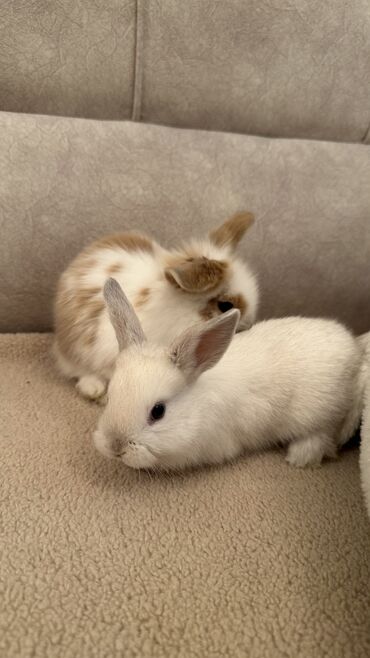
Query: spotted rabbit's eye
[[157, 412], [225, 306]]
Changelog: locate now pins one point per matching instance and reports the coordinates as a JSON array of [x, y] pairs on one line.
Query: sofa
[[168, 117]]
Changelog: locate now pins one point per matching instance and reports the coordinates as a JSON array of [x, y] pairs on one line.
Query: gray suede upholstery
[[291, 69], [68, 57], [67, 181]]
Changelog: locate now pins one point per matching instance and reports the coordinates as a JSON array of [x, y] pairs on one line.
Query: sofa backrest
[[64, 182], [267, 67]]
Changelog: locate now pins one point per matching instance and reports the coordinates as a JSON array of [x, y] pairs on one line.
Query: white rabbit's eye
[[157, 412], [225, 306]]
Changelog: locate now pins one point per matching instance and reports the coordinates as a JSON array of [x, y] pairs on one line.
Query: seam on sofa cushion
[[138, 63]]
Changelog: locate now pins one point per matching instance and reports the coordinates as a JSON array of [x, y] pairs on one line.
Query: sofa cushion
[[251, 559], [68, 57], [66, 181], [267, 67], [261, 67]]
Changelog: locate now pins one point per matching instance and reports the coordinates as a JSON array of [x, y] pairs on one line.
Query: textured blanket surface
[[251, 559]]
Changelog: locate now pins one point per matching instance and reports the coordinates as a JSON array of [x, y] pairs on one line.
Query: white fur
[[91, 387], [364, 341], [293, 380], [167, 312]]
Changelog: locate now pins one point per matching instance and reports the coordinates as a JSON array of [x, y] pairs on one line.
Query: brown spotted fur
[[142, 297], [197, 274], [211, 309], [86, 304], [77, 310], [127, 241], [113, 269], [231, 232]]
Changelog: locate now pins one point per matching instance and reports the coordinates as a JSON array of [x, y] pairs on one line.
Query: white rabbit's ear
[[125, 322], [231, 232], [200, 348]]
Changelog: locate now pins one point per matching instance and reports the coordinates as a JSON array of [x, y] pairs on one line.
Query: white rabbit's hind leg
[[311, 450]]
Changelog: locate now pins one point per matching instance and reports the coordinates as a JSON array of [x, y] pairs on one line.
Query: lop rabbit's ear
[[125, 322], [200, 348], [231, 232], [197, 275]]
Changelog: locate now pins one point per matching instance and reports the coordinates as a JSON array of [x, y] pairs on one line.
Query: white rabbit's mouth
[[139, 456], [132, 454]]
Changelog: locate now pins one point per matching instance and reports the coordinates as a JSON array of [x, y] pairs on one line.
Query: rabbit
[[208, 396], [169, 290], [365, 428]]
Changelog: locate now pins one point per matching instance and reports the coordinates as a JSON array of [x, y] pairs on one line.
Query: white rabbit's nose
[[103, 444], [117, 446]]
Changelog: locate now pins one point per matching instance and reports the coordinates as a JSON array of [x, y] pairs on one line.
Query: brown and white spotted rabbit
[[169, 289]]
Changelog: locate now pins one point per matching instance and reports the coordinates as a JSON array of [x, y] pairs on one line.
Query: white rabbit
[[293, 380], [364, 341], [170, 290]]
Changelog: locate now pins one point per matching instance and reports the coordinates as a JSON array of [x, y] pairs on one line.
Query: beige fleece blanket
[[253, 559]]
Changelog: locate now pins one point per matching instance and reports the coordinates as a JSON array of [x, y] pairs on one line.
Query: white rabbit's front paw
[[91, 387], [310, 451]]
